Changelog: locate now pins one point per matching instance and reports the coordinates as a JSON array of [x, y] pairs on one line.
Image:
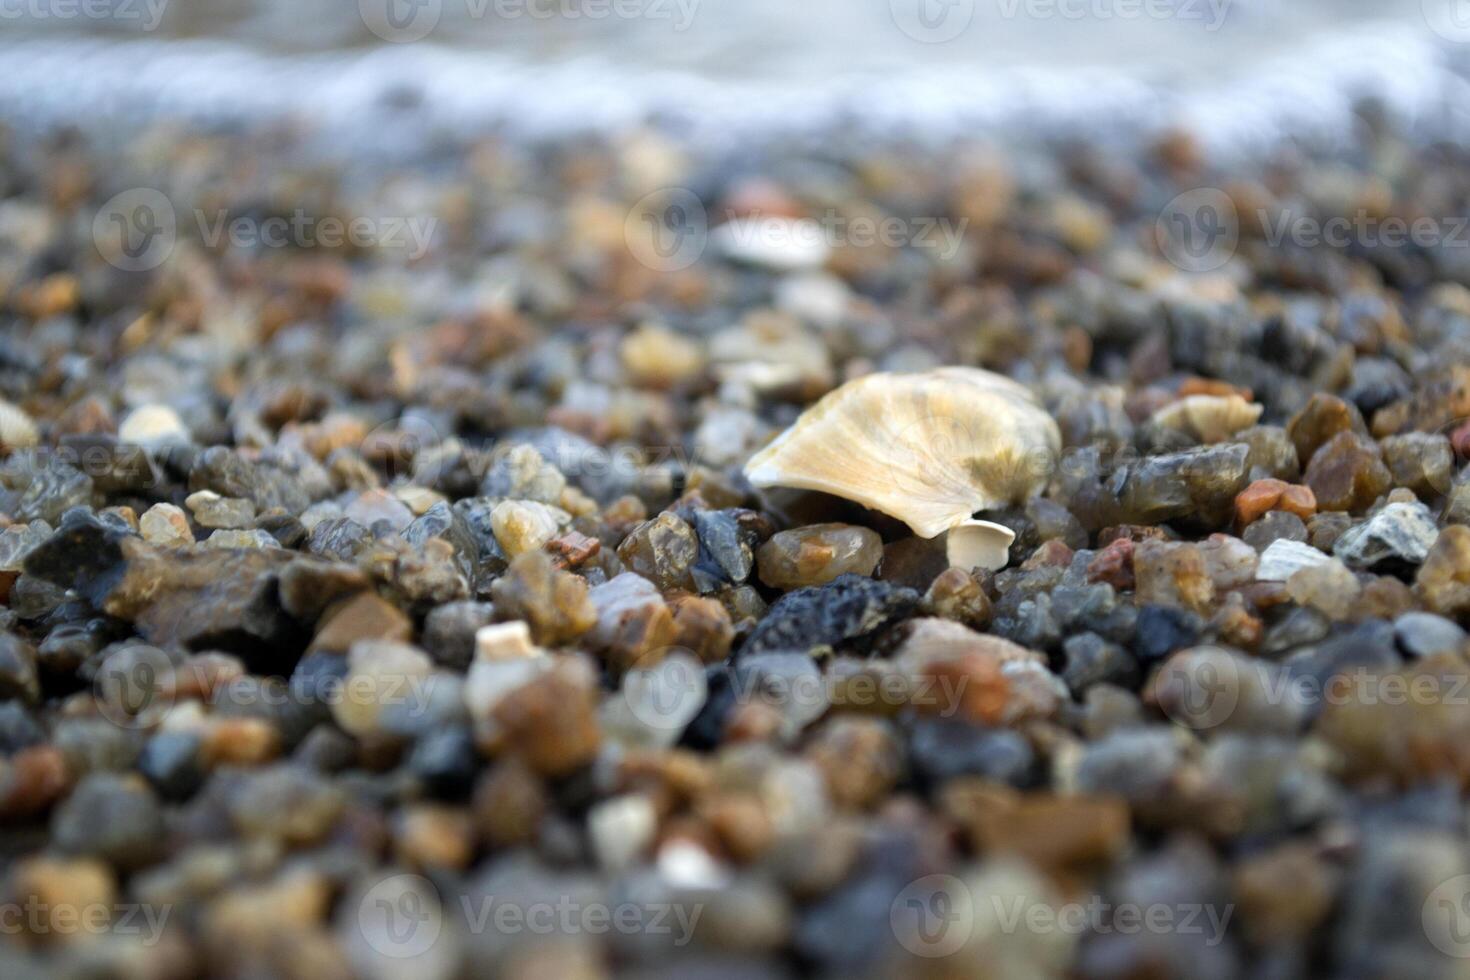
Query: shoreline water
[[392, 102]]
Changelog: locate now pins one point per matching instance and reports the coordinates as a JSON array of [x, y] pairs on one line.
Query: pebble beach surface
[[383, 592]]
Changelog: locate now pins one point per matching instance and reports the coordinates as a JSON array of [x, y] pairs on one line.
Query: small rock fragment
[[817, 554]]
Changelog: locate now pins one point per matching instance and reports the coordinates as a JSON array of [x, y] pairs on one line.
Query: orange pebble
[[1266, 495]]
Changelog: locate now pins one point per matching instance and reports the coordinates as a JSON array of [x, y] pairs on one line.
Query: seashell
[[979, 544], [1209, 418], [929, 449], [17, 431]]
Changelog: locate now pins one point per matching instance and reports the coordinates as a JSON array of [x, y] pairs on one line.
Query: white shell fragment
[[1209, 418], [979, 544], [929, 449], [17, 431]]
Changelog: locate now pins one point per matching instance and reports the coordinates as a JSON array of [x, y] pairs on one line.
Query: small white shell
[[1209, 418], [929, 449], [17, 431], [979, 544]]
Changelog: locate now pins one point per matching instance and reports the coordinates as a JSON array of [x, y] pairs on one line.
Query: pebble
[[521, 526], [210, 510], [1276, 525], [1285, 557], [521, 473], [153, 426], [450, 631], [166, 526], [1273, 495], [1323, 418], [1422, 634], [702, 627], [1443, 581], [848, 608], [1347, 474], [555, 604], [1422, 461], [817, 554], [1329, 587], [112, 817], [364, 616], [664, 551], [17, 429], [551, 722], [1401, 532]]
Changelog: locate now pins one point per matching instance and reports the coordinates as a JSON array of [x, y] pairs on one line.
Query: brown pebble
[[1284, 894], [860, 760], [32, 780], [68, 899], [508, 804], [956, 594], [1443, 581], [740, 822], [1321, 419], [1052, 832], [1114, 565], [239, 742], [554, 603], [365, 616], [1347, 474], [551, 722], [703, 627], [429, 835]]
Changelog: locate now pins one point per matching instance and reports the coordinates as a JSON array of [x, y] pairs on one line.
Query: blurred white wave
[[1239, 71]]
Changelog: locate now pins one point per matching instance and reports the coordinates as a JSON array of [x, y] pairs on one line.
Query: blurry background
[[375, 72]]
